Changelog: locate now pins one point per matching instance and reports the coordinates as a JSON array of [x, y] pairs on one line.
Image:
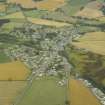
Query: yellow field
[[50, 4], [2, 7], [90, 13], [9, 91], [13, 71], [94, 42], [81, 95], [24, 3], [46, 4], [47, 22]]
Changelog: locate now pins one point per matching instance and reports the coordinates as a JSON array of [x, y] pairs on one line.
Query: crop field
[[2, 7], [13, 71], [50, 5], [89, 13], [10, 90], [3, 57], [44, 5], [81, 95], [94, 41], [47, 22], [23, 3], [44, 91]]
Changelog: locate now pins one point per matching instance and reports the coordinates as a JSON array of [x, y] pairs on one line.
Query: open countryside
[[52, 52]]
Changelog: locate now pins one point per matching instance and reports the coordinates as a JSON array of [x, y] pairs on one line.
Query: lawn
[[44, 91], [3, 57]]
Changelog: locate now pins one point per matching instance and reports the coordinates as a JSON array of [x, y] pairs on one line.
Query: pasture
[[44, 91], [15, 70]]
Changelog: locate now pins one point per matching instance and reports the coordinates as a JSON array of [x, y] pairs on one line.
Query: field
[[44, 91], [81, 95], [47, 22], [8, 27], [73, 6], [50, 5], [44, 5], [16, 15], [35, 13], [2, 7], [3, 57], [23, 3], [13, 71], [10, 90], [94, 41], [89, 13]]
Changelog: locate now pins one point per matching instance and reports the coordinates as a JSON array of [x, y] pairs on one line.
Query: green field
[[45, 91], [34, 13], [3, 57], [73, 6]]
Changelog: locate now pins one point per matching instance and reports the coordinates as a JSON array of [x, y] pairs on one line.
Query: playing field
[[47, 22], [44, 91], [9, 91], [81, 95], [94, 41], [13, 71]]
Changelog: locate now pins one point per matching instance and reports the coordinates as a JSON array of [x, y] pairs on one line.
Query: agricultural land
[[52, 52]]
